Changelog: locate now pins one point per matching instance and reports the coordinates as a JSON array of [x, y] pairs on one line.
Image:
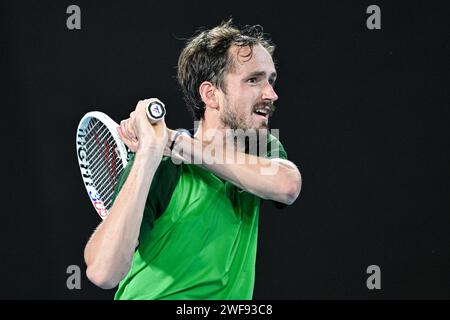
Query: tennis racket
[[102, 155]]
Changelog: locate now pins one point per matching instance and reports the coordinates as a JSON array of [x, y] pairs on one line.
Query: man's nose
[[269, 93]]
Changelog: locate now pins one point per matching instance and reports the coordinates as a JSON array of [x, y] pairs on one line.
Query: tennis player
[[188, 229]]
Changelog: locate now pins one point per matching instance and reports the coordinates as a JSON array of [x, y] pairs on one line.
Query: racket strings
[[96, 128], [93, 125], [104, 163], [93, 151], [94, 134], [104, 184], [97, 155]]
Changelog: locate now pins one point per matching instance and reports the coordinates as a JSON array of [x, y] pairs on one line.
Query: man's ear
[[208, 92]]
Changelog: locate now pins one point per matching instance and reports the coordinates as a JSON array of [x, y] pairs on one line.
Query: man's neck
[[206, 132]]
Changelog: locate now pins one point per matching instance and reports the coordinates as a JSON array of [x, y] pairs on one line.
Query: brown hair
[[205, 58]]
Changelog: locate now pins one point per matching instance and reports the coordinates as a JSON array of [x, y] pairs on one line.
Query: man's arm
[[108, 253], [273, 179]]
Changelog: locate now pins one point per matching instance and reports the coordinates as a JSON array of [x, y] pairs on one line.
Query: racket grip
[[155, 111]]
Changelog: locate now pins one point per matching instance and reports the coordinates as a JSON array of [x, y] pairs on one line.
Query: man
[[189, 231]]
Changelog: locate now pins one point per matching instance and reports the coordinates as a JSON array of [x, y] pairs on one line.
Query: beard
[[232, 120], [245, 134]]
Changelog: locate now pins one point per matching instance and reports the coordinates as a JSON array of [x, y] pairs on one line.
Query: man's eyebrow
[[272, 76]]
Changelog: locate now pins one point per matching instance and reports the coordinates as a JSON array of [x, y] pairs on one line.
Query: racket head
[[102, 156]]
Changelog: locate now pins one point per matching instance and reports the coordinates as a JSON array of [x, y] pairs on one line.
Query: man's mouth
[[264, 111]]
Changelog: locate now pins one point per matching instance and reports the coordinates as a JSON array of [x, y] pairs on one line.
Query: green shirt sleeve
[[275, 149]]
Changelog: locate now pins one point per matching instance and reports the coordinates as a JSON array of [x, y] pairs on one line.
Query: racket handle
[[155, 111]]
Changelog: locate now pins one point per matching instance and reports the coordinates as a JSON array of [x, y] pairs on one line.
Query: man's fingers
[[131, 144], [123, 136], [123, 128], [127, 129], [119, 131]]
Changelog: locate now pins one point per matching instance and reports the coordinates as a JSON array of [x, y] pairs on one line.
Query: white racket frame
[[121, 151]]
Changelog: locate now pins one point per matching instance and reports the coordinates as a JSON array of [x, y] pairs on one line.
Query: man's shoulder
[[167, 173], [165, 178]]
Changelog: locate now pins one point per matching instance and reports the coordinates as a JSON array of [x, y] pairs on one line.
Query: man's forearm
[[273, 179], [282, 186], [109, 252]]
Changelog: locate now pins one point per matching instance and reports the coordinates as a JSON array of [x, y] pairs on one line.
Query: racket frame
[[86, 174]]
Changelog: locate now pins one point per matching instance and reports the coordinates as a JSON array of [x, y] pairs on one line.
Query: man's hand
[[139, 134]]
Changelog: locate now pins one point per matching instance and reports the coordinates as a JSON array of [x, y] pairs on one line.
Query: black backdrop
[[363, 113]]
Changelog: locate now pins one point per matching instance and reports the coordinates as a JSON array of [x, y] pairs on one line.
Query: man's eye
[[251, 80]]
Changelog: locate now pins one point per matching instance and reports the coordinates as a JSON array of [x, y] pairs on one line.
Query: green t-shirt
[[198, 236]]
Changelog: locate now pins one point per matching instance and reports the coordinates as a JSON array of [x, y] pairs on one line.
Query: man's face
[[249, 97]]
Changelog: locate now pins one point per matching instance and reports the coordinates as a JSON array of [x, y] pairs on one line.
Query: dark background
[[364, 114]]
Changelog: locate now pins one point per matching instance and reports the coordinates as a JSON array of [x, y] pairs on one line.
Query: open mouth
[[264, 112]]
